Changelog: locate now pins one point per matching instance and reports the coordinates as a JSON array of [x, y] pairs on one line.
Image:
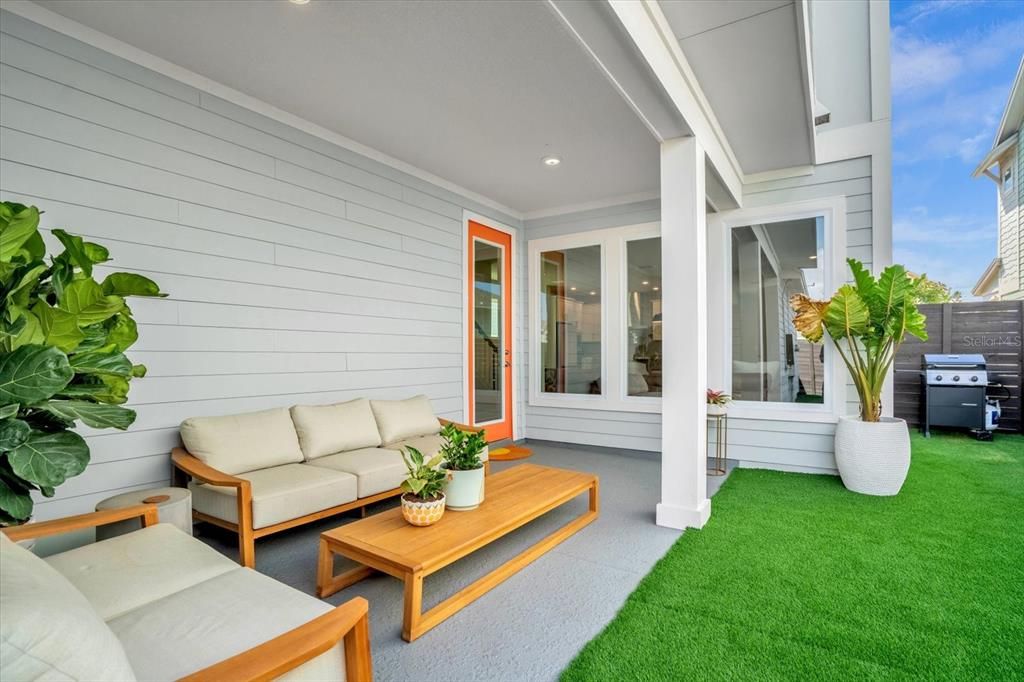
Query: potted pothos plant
[[718, 401], [63, 335], [464, 477], [867, 322], [423, 499]]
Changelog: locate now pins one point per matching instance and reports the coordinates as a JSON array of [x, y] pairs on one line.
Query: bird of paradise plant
[[867, 322]]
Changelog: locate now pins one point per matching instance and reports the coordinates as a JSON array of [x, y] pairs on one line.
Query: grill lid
[[940, 361]]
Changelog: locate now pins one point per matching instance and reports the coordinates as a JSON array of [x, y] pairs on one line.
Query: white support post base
[[684, 499]]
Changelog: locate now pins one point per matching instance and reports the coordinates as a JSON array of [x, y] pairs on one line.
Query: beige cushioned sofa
[[157, 604], [263, 472]]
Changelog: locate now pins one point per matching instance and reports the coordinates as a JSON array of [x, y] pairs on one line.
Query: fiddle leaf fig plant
[[62, 340], [867, 322]]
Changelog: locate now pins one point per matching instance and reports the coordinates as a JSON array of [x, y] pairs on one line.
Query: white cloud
[[922, 66], [920, 227], [920, 10]]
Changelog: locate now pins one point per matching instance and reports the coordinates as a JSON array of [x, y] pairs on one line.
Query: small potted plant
[[464, 470], [423, 499], [717, 401]]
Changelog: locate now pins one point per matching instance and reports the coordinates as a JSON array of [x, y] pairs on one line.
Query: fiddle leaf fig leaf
[[101, 363], [49, 459], [18, 223], [59, 327], [95, 252], [104, 388], [74, 247], [85, 299], [130, 284], [8, 411], [96, 415], [32, 374], [13, 432], [123, 332], [17, 506]]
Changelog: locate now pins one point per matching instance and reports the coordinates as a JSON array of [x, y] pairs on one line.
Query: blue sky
[[953, 62]]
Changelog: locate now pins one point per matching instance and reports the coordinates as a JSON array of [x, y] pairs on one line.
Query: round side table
[[720, 422], [174, 506]]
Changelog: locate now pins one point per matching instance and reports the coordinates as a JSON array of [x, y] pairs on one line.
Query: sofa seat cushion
[[278, 494], [128, 571], [401, 419], [376, 469], [48, 629], [327, 429], [217, 619], [429, 445], [238, 443]]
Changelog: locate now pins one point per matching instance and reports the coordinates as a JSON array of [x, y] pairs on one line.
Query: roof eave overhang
[[985, 281], [993, 156]]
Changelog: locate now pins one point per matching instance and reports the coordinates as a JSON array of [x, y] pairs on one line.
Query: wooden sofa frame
[[188, 466], [348, 623]]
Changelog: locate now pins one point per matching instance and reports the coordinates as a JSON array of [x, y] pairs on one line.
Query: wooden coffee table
[[386, 543]]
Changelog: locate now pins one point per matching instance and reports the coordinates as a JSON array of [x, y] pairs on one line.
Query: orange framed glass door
[[490, 330]]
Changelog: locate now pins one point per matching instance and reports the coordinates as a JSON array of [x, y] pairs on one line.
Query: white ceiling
[[474, 92], [746, 55]]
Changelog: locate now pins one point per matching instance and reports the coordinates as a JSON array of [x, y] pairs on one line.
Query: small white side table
[[174, 506]]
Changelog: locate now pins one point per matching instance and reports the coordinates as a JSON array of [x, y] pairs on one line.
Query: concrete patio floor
[[533, 624]]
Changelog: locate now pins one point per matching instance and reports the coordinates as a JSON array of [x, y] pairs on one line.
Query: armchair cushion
[[375, 469], [278, 494], [401, 419], [327, 429], [128, 571], [216, 619], [48, 630], [238, 443]]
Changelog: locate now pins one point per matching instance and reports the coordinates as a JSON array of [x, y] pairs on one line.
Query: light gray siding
[[630, 430], [298, 271], [1011, 230]]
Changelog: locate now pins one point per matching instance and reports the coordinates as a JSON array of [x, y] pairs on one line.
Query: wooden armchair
[[348, 623]]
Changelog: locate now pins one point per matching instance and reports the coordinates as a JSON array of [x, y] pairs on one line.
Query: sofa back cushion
[[239, 443], [329, 429], [401, 419], [48, 630]]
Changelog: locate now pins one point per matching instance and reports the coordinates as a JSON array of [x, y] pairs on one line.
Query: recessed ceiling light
[[813, 257], [299, 2], [572, 288], [655, 288], [645, 283], [593, 293], [551, 161]]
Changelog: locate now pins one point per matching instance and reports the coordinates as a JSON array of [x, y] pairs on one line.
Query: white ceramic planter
[[716, 409], [873, 457], [464, 489]]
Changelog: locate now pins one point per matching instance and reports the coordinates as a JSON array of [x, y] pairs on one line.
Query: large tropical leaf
[[908, 320], [809, 316], [17, 506], [866, 285], [85, 299], [59, 327], [8, 411], [97, 362], [122, 331], [894, 288], [104, 388], [13, 432], [32, 374], [96, 415], [74, 247], [30, 331], [130, 284], [49, 459], [23, 281], [17, 225], [847, 314]]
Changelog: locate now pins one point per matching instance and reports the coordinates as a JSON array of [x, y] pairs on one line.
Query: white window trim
[[833, 210], [614, 384]]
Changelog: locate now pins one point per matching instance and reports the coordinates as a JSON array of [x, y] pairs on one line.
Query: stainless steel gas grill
[[953, 388]]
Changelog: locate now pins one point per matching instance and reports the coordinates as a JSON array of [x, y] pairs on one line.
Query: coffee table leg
[[413, 606], [326, 582]]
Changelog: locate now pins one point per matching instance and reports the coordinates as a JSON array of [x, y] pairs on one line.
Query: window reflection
[[570, 320], [643, 340]]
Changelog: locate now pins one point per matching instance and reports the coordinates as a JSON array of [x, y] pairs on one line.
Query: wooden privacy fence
[[994, 329]]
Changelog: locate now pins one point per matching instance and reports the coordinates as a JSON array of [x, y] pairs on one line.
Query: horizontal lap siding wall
[[298, 271], [805, 445], [628, 430]]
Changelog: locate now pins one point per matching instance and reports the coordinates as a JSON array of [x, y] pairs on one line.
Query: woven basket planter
[[873, 457]]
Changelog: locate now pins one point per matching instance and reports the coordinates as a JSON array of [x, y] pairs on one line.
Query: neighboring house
[[1004, 165], [561, 220]]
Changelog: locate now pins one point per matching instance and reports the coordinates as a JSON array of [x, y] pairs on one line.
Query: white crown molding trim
[[44, 17], [591, 205]]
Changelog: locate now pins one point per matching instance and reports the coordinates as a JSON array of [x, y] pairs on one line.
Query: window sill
[[597, 403], [797, 413]]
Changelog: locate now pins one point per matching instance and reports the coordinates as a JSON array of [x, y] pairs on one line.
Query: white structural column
[[684, 498]]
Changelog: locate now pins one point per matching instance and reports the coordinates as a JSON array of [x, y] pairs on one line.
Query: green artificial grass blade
[[794, 577]]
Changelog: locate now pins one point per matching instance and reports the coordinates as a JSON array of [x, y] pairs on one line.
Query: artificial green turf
[[794, 577]]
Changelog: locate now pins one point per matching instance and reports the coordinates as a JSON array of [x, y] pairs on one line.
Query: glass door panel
[[488, 333]]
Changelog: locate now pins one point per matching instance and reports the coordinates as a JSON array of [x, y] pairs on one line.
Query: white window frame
[[614, 331], [833, 212]]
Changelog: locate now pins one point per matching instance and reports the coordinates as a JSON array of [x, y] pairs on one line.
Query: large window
[[595, 319], [570, 320], [760, 258]]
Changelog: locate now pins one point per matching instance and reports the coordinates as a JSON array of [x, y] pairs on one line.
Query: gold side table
[[720, 422]]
